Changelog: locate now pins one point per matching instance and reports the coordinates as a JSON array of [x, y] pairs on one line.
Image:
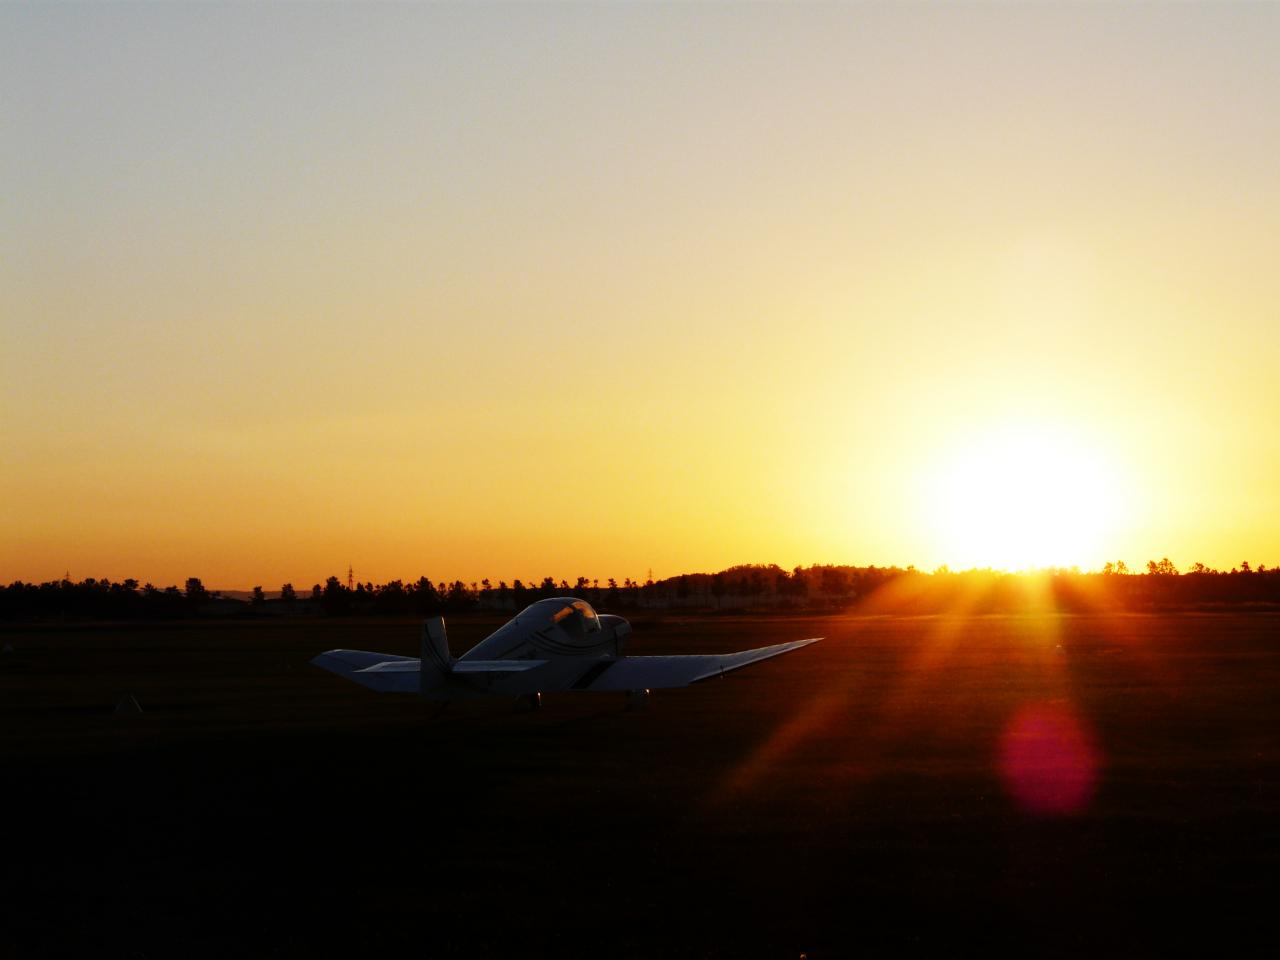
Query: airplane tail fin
[[437, 662]]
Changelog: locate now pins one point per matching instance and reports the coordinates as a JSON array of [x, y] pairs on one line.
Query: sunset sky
[[516, 291]]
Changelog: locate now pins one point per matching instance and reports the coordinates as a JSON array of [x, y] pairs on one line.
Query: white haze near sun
[[1023, 495]]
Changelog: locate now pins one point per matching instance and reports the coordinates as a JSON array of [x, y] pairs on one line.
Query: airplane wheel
[[535, 701], [637, 699]]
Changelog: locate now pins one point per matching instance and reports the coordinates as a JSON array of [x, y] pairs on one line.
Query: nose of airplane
[[619, 625]]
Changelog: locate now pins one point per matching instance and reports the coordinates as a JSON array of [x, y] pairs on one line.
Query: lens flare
[[1048, 761]]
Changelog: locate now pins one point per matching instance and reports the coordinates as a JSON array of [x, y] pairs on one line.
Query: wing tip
[[797, 644]]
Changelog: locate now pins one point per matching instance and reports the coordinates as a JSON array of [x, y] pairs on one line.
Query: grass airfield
[[1054, 785]]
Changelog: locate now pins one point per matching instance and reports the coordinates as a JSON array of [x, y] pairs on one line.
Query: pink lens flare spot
[[1048, 760]]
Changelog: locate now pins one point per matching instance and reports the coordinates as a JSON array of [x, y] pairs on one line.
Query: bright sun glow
[[1022, 497]]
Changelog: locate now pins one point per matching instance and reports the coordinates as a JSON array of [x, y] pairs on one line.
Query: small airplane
[[550, 646]]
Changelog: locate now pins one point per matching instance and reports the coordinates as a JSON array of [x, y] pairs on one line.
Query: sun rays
[[954, 682]]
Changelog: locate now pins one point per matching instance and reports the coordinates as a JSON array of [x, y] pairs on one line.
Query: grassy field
[[1040, 784]]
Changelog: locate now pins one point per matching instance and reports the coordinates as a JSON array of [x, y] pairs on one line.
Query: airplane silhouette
[[553, 645]]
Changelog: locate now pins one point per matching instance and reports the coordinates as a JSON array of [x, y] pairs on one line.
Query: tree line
[[749, 587]]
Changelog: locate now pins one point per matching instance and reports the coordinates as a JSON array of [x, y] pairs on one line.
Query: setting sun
[[1024, 496]]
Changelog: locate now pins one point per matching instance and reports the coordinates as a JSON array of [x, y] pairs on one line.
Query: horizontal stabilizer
[[392, 674], [496, 666], [460, 666], [377, 671], [345, 662]]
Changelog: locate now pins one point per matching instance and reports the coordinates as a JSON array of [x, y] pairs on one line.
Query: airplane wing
[[655, 673]]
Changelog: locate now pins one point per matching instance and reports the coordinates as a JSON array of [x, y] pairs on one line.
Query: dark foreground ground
[[871, 795]]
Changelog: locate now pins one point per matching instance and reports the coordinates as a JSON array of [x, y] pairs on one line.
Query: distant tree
[[1244, 567], [259, 598], [336, 598], [833, 582], [458, 598], [316, 593], [287, 594], [718, 589], [195, 591], [800, 585], [426, 599], [173, 600], [392, 598]]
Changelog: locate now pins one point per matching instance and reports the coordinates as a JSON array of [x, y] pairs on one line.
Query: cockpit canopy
[[574, 611], [575, 617]]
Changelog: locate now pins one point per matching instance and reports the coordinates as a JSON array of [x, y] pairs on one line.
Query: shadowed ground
[[1059, 785]]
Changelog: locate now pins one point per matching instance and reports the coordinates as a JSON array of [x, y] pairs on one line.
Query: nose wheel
[[638, 699], [534, 700]]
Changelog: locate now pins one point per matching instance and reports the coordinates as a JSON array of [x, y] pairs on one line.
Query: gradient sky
[[515, 291]]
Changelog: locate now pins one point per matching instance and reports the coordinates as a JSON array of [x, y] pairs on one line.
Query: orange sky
[[519, 291]]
